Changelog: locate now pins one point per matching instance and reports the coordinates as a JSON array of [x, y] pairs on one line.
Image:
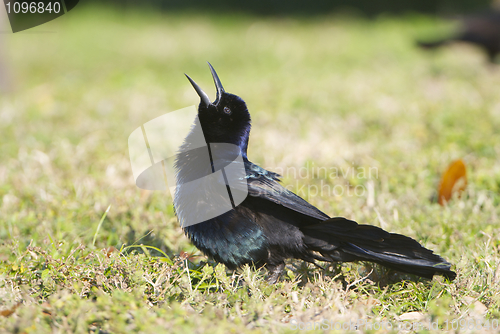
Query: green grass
[[330, 91]]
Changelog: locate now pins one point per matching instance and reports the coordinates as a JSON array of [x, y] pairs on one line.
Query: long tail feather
[[340, 239]]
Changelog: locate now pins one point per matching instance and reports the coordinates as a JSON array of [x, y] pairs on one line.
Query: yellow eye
[[227, 110]]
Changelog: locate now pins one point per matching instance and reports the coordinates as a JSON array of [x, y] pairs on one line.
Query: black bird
[[481, 29], [273, 224]]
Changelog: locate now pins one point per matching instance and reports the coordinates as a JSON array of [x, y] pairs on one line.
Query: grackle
[[272, 223], [481, 29]]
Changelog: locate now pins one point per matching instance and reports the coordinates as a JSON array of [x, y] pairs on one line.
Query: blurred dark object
[[4, 75], [482, 29], [318, 7]]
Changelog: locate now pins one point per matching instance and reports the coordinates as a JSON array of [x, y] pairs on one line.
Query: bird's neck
[[243, 144], [239, 137]]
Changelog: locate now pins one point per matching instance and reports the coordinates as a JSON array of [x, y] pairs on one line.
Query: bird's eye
[[227, 111]]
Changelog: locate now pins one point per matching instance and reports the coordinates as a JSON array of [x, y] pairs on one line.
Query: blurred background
[[321, 7], [326, 84]]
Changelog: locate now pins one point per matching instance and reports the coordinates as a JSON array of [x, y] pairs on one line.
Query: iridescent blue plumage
[[272, 223]]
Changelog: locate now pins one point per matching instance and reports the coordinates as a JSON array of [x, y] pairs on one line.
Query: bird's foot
[[275, 272]]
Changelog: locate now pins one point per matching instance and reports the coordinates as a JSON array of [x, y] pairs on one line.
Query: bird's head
[[225, 120]]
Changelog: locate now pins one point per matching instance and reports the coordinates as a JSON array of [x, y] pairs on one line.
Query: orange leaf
[[454, 180], [109, 250], [183, 255], [9, 312], [46, 308]]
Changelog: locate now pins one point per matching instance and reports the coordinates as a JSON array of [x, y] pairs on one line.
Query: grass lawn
[[329, 96]]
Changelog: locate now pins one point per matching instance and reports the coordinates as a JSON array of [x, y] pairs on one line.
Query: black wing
[[264, 185]]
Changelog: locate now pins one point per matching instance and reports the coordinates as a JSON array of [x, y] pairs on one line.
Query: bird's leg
[[275, 272]]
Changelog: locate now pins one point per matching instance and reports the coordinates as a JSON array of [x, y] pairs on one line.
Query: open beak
[[218, 84], [203, 96]]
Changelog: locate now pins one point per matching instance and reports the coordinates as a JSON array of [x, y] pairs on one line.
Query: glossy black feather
[[273, 224]]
